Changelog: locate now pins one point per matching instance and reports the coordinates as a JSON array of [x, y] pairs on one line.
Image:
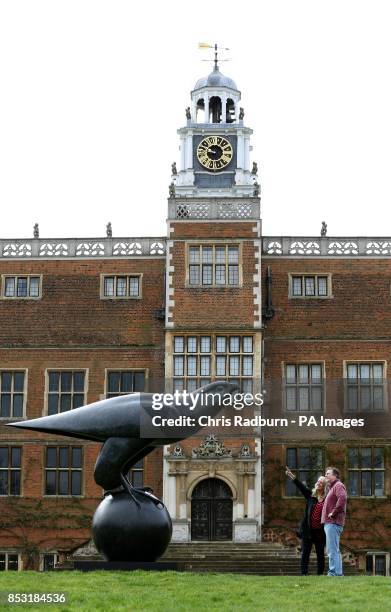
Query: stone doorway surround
[[211, 459]]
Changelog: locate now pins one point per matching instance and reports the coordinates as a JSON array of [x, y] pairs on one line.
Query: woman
[[311, 529]]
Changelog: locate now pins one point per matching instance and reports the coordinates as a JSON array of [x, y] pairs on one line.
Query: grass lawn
[[182, 592]]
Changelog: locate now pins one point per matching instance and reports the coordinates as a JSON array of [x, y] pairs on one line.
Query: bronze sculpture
[[130, 524]]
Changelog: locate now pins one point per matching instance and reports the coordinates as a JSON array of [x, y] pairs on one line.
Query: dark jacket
[[305, 525]]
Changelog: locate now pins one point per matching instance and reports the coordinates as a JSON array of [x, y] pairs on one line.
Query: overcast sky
[[92, 93]]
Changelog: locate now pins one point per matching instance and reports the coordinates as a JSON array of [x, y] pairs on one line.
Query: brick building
[[307, 318]]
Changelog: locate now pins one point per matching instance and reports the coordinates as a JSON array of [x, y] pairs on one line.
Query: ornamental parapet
[[222, 209], [307, 246], [62, 248], [272, 246]]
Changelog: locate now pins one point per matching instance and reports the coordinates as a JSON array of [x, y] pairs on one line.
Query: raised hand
[[289, 473]]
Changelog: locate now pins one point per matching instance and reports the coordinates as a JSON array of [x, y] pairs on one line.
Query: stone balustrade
[[326, 246], [40, 248], [216, 208], [272, 246]]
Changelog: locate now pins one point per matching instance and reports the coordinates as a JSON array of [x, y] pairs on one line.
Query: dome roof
[[215, 79]]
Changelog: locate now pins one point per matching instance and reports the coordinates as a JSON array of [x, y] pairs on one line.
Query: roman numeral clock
[[215, 153], [214, 159]]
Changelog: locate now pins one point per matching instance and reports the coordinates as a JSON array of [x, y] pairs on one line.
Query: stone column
[[183, 153], [240, 161], [246, 164], [180, 522], [245, 524], [240, 500], [224, 108], [169, 484], [206, 110], [250, 496], [182, 495], [189, 150]]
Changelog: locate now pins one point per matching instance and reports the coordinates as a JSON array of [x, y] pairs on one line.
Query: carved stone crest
[[211, 448]]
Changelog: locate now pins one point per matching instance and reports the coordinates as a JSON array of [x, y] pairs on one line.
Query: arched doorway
[[211, 511]]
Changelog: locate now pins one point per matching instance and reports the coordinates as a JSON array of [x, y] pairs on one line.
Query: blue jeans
[[333, 534]]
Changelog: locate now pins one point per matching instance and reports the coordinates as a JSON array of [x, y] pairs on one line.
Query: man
[[333, 518]]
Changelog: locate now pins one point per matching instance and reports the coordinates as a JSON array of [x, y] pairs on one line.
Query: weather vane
[[216, 49]]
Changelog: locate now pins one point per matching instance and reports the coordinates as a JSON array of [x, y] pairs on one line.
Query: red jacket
[[335, 503]]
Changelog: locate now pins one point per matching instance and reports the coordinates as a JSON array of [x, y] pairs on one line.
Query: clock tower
[[213, 314], [215, 143]]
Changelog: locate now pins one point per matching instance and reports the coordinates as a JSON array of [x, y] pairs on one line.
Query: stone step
[[195, 555], [250, 563], [218, 546], [255, 558], [237, 553], [239, 562], [258, 558], [233, 551], [218, 551]]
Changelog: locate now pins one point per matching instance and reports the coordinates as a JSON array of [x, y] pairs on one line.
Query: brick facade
[[352, 325], [70, 327], [217, 309]]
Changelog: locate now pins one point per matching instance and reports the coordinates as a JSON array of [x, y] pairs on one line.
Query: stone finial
[[188, 113], [244, 451], [323, 231], [171, 190], [178, 451], [109, 230], [174, 170], [36, 230], [241, 113], [254, 168], [256, 189]]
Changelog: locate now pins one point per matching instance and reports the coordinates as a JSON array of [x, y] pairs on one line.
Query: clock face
[[214, 153]]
